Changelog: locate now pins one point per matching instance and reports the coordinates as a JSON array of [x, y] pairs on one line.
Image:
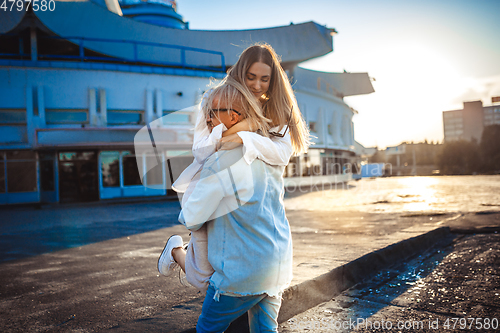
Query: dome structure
[[157, 12]]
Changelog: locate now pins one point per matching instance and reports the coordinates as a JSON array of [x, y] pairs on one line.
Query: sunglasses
[[211, 112], [287, 127]]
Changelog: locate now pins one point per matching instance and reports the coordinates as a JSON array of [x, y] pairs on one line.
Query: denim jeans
[[217, 315]]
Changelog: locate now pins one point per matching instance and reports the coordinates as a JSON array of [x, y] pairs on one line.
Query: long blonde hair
[[236, 95], [280, 104]]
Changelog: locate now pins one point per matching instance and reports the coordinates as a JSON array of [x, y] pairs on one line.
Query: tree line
[[470, 157], [452, 158]]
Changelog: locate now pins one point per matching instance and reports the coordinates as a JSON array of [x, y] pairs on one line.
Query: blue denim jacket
[[249, 239]]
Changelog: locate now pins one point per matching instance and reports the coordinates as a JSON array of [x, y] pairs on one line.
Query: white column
[[93, 107], [159, 106], [30, 125], [103, 107], [41, 106], [337, 128], [352, 133], [149, 106], [320, 126]]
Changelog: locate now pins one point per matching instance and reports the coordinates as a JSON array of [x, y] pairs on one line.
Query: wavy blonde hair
[[237, 96], [280, 104]]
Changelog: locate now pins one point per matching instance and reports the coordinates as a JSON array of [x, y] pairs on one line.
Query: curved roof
[[85, 19], [338, 84]]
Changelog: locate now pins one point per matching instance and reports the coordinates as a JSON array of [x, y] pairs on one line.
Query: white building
[[79, 82]]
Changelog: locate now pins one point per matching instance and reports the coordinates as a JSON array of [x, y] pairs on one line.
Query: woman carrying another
[[258, 69]]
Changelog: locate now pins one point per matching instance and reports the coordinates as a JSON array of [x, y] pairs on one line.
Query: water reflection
[[419, 191], [405, 194]]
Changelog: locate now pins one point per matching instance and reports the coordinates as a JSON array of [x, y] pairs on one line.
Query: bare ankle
[[175, 251]]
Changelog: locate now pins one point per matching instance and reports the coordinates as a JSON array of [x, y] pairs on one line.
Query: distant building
[[468, 123]]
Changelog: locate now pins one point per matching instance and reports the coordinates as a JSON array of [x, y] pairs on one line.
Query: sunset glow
[[425, 56]]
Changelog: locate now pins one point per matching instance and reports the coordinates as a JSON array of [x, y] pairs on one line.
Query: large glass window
[[130, 170], [81, 155], [155, 166], [13, 117], [119, 117], [329, 166], [312, 127], [47, 171], [20, 155], [21, 171], [110, 167], [77, 176], [293, 168], [311, 163], [175, 117], [2, 172], [66, 116]]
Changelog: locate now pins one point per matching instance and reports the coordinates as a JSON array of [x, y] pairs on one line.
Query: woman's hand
[[229, 142], [231, 138], [238, 127]]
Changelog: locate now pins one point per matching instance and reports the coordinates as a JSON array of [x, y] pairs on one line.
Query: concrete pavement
[[114, 284]]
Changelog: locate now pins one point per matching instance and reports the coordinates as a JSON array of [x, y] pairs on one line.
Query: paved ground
[[27, 231], [114, 283], [456, 289]]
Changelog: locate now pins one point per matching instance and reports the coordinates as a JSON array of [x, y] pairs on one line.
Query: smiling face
[[258, 78]]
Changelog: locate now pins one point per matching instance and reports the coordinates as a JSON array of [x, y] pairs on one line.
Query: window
[[47, 172], [69, 156], [66, 117], [119, 117], [176, 117], [21, 171], [130, 171], [21, 155], [155, 166], [110, 167], [312, 126], [329, 166], [12, 117], [311, 163], [2, 172], [293, 168]]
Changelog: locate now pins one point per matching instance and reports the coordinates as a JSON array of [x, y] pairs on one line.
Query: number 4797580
[[471, 323], [24, 5]]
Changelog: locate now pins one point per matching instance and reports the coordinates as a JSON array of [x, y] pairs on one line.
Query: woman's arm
[[204, 146], [231, 134], [238, 127]]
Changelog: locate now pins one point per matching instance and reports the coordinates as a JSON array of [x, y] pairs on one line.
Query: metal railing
[[136, 59]]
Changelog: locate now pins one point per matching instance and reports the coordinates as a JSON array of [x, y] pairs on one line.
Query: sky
[[425, 56]]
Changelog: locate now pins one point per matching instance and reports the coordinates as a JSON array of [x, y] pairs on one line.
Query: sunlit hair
[[232, 94], [279, 99]]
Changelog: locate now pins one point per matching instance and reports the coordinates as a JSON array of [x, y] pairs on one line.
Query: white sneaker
[[166, 262]]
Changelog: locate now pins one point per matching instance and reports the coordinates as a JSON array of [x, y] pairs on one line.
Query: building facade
[[73, 98], [468, 123]]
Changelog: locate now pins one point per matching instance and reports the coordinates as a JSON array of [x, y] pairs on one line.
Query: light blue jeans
[[216, 316]]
